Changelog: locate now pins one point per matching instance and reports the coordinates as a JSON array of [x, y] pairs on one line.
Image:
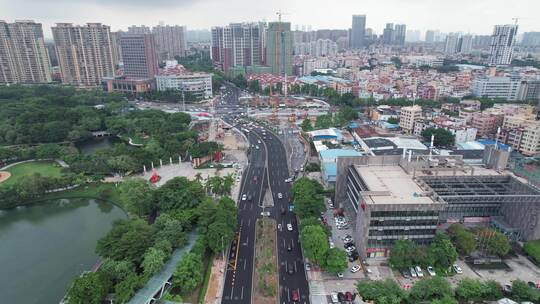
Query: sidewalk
[[215, 283]]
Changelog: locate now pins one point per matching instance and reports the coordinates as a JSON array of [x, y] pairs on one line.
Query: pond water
[[43, 247], [90, 146]]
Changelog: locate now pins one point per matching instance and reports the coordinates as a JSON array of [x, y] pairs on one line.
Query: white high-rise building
[[23, 55], [452, 44], [466, 44], [170, 41], [502, 44]]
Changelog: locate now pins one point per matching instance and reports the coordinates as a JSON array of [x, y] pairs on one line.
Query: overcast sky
[[474, 16]]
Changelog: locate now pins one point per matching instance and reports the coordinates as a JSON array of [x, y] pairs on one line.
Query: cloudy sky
[[474, 16]]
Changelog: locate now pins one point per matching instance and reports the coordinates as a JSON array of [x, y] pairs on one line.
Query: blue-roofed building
[[328, 159]]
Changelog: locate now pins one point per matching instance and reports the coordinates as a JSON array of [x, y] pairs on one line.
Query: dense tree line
[[135, 249], [441, 254]]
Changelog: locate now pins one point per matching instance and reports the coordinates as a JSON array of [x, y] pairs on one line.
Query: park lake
[[91, 145], [47, 244]]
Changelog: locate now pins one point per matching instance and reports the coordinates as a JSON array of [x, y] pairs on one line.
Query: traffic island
[[266, 276]]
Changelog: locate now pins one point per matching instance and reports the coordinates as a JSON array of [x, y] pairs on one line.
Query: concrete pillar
[[170, 160], [160, 162], [152, 165]]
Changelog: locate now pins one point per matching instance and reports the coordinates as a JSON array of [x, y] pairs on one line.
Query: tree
[[336, 260], [324, 121], [153, 261], [137, 196], [465, 241], [180, 193], [442, 252], [308, 198], [347, 114], [445, 300], [189, 273], [476, 290], [125, 290], [123, 164], [91, 287], [522, 292], [306, 125], [443, 137], [430, 289], [128, 239], [254, 86], [170, 229], [402, 253], [381, 292], [116, 271], [494, 242], [393, 120], [218, 235], [315, 243]]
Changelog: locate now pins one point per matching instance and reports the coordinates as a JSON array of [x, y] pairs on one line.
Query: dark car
[[283, 210], [405, 273], [341, 296], [531, 284], [295, 297], [291, 269], [249, 197]]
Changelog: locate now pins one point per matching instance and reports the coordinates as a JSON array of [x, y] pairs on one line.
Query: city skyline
[[477, 17]]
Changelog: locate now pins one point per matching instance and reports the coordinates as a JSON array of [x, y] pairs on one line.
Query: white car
[[355, 268], [334, 297], [279, 195], [244, 197], [457, 269], [289, 227], [279, 227], [431, 271], [340, 275], [350, 249], [419, 271], [332, 245]]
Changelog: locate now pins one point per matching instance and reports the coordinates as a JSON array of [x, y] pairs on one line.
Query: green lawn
[[45, 168]]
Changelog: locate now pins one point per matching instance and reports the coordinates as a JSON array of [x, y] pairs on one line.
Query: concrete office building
[[502, 44], [358, 31], [139, 55], [392, 197], [84, 52], [176, 77], [506, 87], [279, 48], [170, 41], [238, 45], [23, 54]]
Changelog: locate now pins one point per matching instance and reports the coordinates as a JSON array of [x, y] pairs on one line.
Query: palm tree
[[198, 177], [227, 184]]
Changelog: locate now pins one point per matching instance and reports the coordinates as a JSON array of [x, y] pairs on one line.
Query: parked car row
[[343, 297]]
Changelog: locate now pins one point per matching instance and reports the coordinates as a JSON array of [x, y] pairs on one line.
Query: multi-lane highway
[[268, 169]]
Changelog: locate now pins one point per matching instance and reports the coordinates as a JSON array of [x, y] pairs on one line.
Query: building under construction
[[407, 196]]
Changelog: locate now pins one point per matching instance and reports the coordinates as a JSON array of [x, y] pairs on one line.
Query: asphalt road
[[239, 280]]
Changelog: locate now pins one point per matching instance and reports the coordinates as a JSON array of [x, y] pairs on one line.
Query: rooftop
[[390, 185]]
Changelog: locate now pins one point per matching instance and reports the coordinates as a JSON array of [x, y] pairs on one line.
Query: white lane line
[[242, 294], [245, 260]]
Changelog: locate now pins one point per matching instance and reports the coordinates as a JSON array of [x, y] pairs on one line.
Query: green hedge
[[532, 248]]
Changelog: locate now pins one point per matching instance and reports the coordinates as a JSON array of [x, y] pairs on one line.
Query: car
[[340, 275], [288, 180], [332, 245], [507, 288], [348, 236], [283, 210], [348, 296], [257, 147], [289, 248], [531, 284], [308, 266], [405, 273], [352, 258], [368, 270], [249, 197], [289, 227], [355, 268], [413, 272], [431, 271], [244, 197], [258, 141], [457, 269], [279, 227], [255, 178], [295, 297], [419, 271], [290, 269], [350, 249], [334, 297], [279, 195]]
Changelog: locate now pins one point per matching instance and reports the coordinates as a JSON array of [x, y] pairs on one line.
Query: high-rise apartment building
[[170, 41], [502, 44], [279, 48], [466, 42], [400, 31], [139, 55], [408, 116], [85, 53], [388, 34], [451, 45], [23, 54], [358, 31], [239, 44], [430, 36], [139, 29]]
